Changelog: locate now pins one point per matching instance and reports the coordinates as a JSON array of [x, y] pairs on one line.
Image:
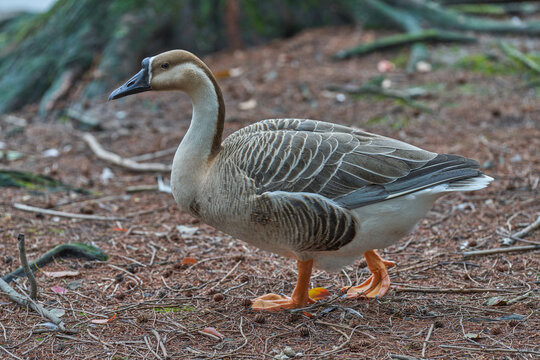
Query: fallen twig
[[496, 350], [149, 346], [160, 343], [154, 155], [402, 357], [518, 235], [9, 353], [342, 345], [116, 159], [424, 347], [226, 275], [27, 271], [27, 302], [501, 250], [449, 291], [65, 214]]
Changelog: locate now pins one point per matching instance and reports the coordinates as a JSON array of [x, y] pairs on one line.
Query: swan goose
[[321, 193]]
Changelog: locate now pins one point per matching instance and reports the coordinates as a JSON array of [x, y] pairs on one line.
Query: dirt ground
[[438, 303]]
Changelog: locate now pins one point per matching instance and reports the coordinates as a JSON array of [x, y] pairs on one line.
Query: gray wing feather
[[294, 155]]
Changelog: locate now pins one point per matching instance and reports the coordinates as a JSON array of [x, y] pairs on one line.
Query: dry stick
[[160, 343], [424, 347], [484, 349], [501, 250], [27, 271], [11, 354], [450, 291], [116, 159], [65, 214], [154, 155], [149, 346], [342, 344], [518, 235], [4, 331], [226, 275], [402, 357], [25, 301]]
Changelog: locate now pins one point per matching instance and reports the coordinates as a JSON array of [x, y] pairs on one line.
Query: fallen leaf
[[318, 293], [189, 261], [103, 321], [213, 331], [59, 274], [116, 228], [309, 315], [58, 289]]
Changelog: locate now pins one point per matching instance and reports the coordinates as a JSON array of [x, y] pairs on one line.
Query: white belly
[[379, 225]]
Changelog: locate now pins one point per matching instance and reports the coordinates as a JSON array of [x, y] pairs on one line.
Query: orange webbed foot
[[300, 296], [378, 283], [275, 302]]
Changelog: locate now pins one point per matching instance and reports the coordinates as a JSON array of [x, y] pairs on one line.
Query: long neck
[[203, 139]]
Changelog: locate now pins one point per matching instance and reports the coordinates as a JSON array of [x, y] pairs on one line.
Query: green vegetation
[[174, 309], [485, 64]]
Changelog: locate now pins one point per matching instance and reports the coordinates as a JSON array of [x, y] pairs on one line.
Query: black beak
[[138, 83]]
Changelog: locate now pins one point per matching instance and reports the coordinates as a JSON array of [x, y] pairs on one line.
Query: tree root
[[405, 39], [71, 249], [413, 16]]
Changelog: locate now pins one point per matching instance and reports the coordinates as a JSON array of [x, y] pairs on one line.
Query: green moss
[[57, 231], [174, 309], [485, 64], [401, 60]]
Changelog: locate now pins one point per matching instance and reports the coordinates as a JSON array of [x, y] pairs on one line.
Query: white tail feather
[[471, 184]]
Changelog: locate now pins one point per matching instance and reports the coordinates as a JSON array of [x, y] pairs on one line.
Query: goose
[[318, 192]]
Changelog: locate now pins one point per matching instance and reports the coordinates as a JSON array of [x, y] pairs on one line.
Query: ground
[[480, 109]]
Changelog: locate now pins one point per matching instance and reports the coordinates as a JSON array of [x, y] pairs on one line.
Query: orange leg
[[378, 283], [299, 298]]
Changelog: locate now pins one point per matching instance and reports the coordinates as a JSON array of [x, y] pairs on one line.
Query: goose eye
[[164, 65]]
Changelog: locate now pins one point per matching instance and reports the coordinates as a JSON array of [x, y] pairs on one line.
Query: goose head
[[171, 70]]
